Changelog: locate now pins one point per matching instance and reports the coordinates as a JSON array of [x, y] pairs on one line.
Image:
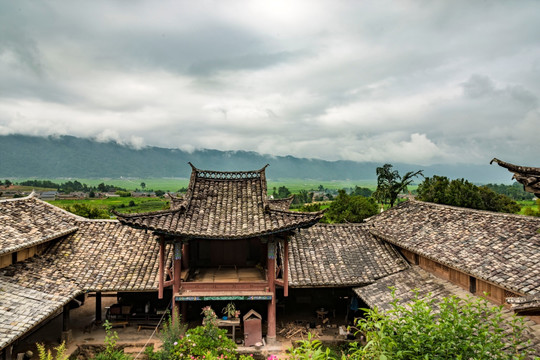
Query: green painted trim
[[232, 297]]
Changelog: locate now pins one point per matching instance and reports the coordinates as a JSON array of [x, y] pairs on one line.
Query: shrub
[[169, 335], [45, 354], [203, 342], [455, 329], [111, 352], [309, 349]]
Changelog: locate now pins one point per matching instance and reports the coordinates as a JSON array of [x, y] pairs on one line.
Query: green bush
[[173, 329], [203, 342], [452, 329], [123, 193], [347, 208]]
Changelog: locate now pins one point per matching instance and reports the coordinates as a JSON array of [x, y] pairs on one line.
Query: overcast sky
[[404, 81]]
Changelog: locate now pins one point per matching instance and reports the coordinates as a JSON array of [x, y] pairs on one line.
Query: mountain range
[[23, 156]]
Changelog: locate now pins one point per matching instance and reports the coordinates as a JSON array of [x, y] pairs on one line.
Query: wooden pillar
[[161, 266], [8, 352], [185, 255], [65, 317], [98, 307], [286, 268], [271, 269], [177, 268]]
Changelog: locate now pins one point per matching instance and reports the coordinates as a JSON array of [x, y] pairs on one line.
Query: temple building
[[228, 240]]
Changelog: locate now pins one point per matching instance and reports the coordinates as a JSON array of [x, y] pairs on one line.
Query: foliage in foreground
[[111, 352], [452, 329], [45, 354], [203, 342]]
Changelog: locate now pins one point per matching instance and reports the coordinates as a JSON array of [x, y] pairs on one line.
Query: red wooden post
[[286, 268], [161, 266], [271, 262], [177, 274]]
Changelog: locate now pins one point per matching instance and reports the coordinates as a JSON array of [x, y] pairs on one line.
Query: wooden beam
[[65, 318], [161, 266], [286, 268], [271, 270], [98, 307], [177, 278]]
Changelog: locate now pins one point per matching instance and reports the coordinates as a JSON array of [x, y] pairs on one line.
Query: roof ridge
[[30, 196], [464, 209], [148, 213], [298, 212], [227, 175]]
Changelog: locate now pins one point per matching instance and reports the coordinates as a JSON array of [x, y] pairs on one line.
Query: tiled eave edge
[[38, 241], [321, 285], [438, 260], [315, 219], [43, 318]]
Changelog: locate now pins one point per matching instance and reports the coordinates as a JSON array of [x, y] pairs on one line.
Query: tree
[[347, 208], [283, 192], [390, 184], [362, 191], [460, 192], [143, 185], [7, 183]]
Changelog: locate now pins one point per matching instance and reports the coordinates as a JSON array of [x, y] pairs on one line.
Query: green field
[[174, 184], [527, 204], [120, 204]]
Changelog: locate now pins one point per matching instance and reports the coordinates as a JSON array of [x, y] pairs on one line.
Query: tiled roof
[[431, 287], [500, 248], [30, 292], [525, 304], [339, 255], [104, 255], [28, 221], [223, 205], [528, 176], [281, 204]]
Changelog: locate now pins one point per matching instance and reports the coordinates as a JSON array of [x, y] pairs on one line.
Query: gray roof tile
[[339, 255], [500, 248]]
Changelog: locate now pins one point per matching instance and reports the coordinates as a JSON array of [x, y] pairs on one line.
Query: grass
[[526, 204]]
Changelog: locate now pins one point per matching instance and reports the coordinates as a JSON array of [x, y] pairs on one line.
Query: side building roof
[[503, 249], [408, 283], [30, 292], [102, 255], [28, 221], [340, 255], [222, 205]]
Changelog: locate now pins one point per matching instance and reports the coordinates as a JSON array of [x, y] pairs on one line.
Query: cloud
[[451, 82]]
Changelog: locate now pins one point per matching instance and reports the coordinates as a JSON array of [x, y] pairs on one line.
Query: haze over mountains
[[24, 156]]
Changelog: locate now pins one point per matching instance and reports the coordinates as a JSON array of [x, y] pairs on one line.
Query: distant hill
[[24, 156]]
